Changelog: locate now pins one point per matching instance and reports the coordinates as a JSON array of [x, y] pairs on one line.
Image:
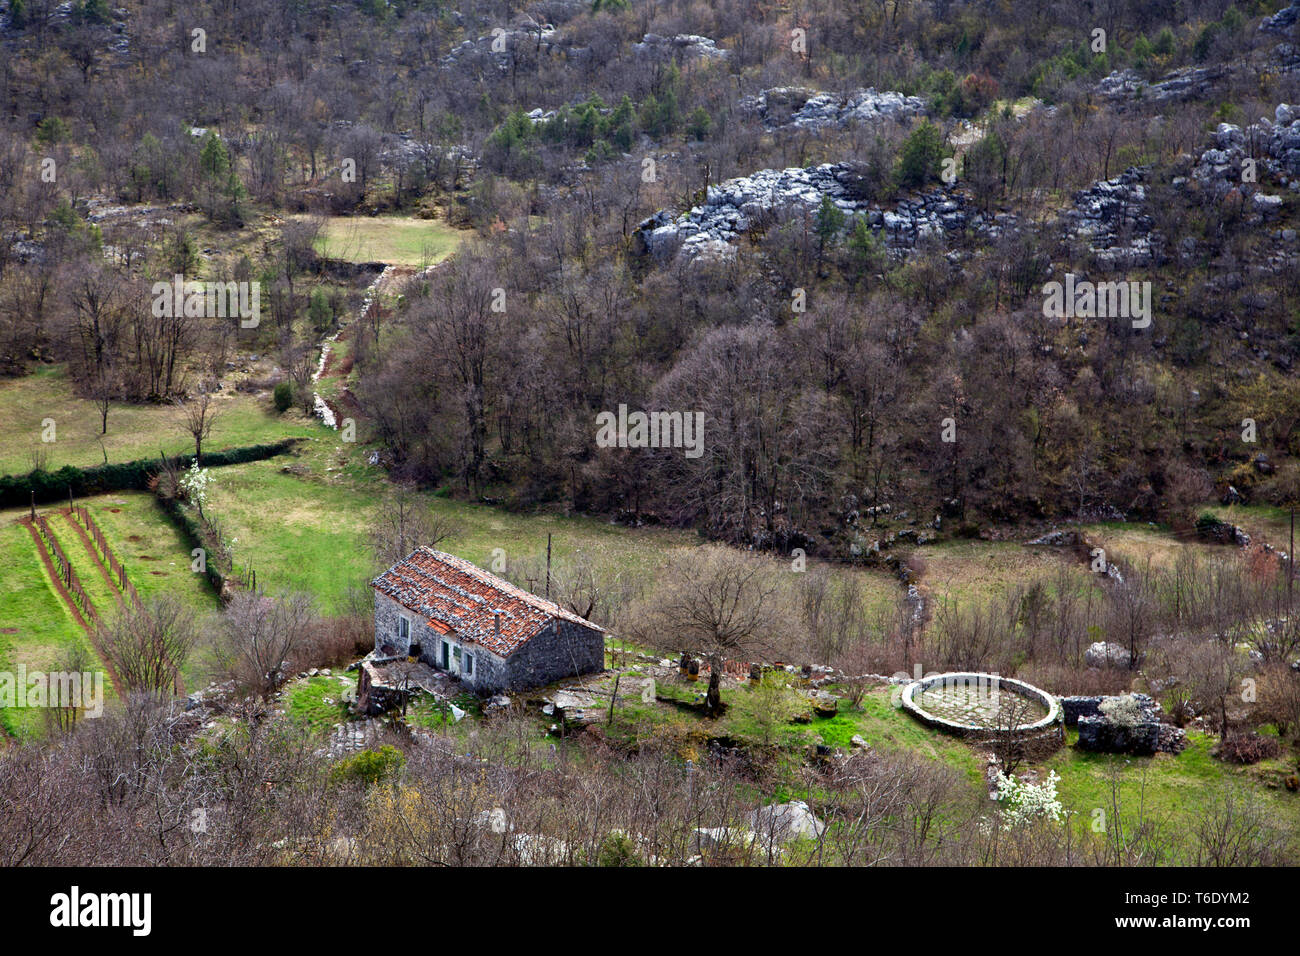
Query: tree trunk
[[713, 699]]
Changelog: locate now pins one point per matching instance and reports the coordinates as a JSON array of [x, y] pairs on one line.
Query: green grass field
[[397, 240], [134, 431], [316, 703], [36, 627], [151, 548], [982, 571], [309, 532], [104, 595], [1171, 789]]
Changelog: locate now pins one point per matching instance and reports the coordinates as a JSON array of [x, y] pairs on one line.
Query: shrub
[[16, 490], [1025, 803], [617, 849], [918, 161], [1122, 711], [700, 123], [1248, 748], [370, 766], [333, 642], [283, 396]]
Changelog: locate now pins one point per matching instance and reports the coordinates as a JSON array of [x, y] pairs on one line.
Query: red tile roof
[[461, 598]]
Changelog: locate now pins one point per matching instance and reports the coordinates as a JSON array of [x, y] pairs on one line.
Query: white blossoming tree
[[195, 483], [1026, 803]]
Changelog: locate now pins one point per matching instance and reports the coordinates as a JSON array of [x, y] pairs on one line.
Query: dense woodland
[[812, 417], [828, 366]]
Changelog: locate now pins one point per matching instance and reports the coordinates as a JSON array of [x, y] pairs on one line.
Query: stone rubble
[[1099, 733], [353, 737]]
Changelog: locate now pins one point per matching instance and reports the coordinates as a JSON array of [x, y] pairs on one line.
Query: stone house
[[492, 635]]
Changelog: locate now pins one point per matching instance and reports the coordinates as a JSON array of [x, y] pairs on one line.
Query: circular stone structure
[[974, 704]]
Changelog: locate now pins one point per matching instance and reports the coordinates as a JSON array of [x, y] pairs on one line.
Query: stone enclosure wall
[[1048, 726], [1100, 734]]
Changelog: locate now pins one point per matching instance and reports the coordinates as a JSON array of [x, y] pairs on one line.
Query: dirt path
[[66, 597], [330, 410]]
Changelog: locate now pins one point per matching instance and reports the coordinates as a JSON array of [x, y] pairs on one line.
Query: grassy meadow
[[396, 240], [134, 431]]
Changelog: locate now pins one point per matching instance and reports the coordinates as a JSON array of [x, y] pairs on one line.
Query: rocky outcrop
[[1110, 217], [802, 108], [1283, 21], [684, 45], [1273, 145], [1106, 654], [1124, 87], [783, 822], [738, 205], [524, 37]]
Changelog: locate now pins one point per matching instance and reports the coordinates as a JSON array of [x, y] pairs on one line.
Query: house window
[[404, 628], [469, 665], [446, 655]]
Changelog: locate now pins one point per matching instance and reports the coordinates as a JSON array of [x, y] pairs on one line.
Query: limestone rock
[[784, 822], [1106, 654]]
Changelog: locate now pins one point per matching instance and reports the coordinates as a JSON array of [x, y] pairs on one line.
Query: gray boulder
[[1107, 654], [784, 822]]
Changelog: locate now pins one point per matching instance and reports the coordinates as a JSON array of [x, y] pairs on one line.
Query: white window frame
[[403, 624], [467, 663]]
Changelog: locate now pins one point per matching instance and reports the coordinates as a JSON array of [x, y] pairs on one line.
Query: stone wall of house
[[489, 671], [552, 655], [387, 642], [562, 650]]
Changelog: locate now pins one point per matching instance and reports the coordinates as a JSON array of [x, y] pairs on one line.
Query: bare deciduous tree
[[197, 417], [405, 522], [147, 645], [259, 637], [1237, 829], [713, 600]]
